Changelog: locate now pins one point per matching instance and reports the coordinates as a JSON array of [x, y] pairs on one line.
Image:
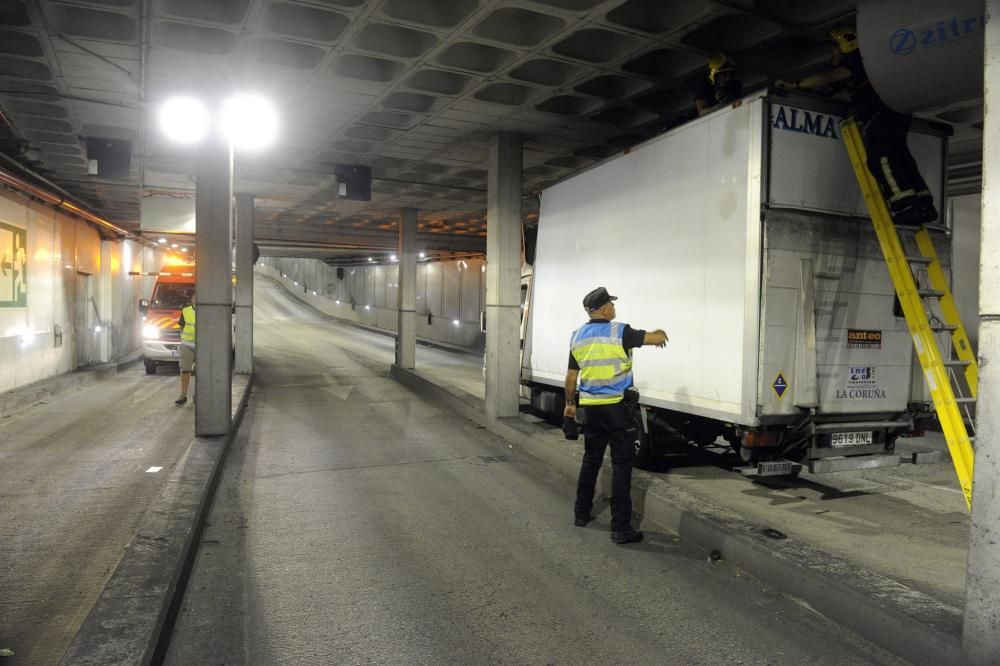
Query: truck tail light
[[757, 438]]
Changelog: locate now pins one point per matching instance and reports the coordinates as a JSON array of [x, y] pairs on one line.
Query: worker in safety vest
[[601, 358], [883, 130], [187, 324], [720, 87]]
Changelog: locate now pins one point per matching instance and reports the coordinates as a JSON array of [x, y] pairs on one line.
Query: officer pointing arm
[[601, 360]]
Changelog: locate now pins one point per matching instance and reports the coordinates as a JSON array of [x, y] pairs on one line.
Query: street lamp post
[[242, 123]]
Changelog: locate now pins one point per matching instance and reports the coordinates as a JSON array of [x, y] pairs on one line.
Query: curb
[[884, 611], [25, 396], [132, 619]]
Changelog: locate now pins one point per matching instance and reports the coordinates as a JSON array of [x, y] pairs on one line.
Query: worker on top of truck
[[187, 324], [883, 130], [601, 358], [720, 86]]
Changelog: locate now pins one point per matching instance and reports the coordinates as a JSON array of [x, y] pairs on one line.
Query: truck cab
[[161, 333]]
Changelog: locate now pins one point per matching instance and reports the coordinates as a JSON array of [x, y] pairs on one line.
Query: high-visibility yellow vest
[[605, 366], [187, 333]]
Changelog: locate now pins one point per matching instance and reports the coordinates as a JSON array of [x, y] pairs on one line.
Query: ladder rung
[[937, 227], [944, 327], [956, 363], [965, 401], [931, 293], [919, 259]]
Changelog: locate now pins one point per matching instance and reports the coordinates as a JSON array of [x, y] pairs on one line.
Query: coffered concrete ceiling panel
[[303, 22], [46, 124], [286, 54], [596, 45], [546, 72], [404, 101], [14, 13], [658, 16], [394, 40], [734, 32], [798, 13], [568, 105], [212, 11], [438, 13], [20, 44], [439, 81], [187, 37], [36, 108], [24, 69], [611, 86], [509, 94], [666, 64], [83, 22], [514, 25], [368, 68], [476, 57], [572, 5]]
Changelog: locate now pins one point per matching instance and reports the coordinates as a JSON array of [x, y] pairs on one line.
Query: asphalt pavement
[[358, 522], [79, 471]]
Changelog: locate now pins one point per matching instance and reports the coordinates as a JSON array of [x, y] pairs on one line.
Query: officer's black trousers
[[607, 424]]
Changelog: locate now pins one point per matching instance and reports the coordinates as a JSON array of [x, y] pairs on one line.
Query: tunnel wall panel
[[448, 291], [53, 331]]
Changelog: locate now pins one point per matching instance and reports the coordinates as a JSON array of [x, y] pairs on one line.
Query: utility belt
[[630, 402]]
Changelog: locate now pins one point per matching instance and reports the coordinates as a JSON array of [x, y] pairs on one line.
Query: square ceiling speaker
[[354, 182], [109, 158]]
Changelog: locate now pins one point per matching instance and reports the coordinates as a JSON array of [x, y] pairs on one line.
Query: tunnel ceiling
[[412, 88]]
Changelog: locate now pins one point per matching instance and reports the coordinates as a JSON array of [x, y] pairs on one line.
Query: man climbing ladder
[[942, 382]]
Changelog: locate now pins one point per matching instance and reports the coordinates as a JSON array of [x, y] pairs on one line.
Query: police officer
[[720, 86], [601, 358], [884, 132], [187, 324]]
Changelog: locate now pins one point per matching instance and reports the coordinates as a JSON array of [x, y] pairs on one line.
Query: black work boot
[[628, 536]]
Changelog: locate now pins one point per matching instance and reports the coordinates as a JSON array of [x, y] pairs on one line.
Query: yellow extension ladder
[[923, 319]]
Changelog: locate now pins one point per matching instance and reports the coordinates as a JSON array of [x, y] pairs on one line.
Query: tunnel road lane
[[78, 474], [359, 523]]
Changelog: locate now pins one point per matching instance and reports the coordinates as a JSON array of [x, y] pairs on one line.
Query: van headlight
[[150, 332]]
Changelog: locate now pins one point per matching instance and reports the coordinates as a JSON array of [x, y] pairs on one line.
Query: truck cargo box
[[744, 235]]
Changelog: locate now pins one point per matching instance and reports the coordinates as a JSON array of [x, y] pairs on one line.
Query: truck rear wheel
[[150, 366]]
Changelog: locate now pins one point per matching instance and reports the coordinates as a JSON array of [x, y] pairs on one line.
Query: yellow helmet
[[720, 62], [846, 38]]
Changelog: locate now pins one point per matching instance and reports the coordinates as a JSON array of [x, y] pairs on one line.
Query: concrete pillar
[[214, 333], [406, 335], [503, 276], [981, 635], [244, 284]]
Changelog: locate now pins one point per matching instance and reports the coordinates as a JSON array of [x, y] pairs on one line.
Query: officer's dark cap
[[597, 298]]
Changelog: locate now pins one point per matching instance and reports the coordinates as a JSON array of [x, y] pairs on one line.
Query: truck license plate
[[857, 438]]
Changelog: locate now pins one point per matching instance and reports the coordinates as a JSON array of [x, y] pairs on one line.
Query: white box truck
[[745, 236]]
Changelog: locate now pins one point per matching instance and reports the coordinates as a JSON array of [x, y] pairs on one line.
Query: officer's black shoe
[[628, 536], [582, 522]]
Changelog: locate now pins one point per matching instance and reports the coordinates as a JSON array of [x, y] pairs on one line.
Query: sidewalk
[[25, 396], [882, 552]]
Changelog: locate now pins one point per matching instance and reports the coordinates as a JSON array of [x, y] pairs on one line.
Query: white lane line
[[153, 470]]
